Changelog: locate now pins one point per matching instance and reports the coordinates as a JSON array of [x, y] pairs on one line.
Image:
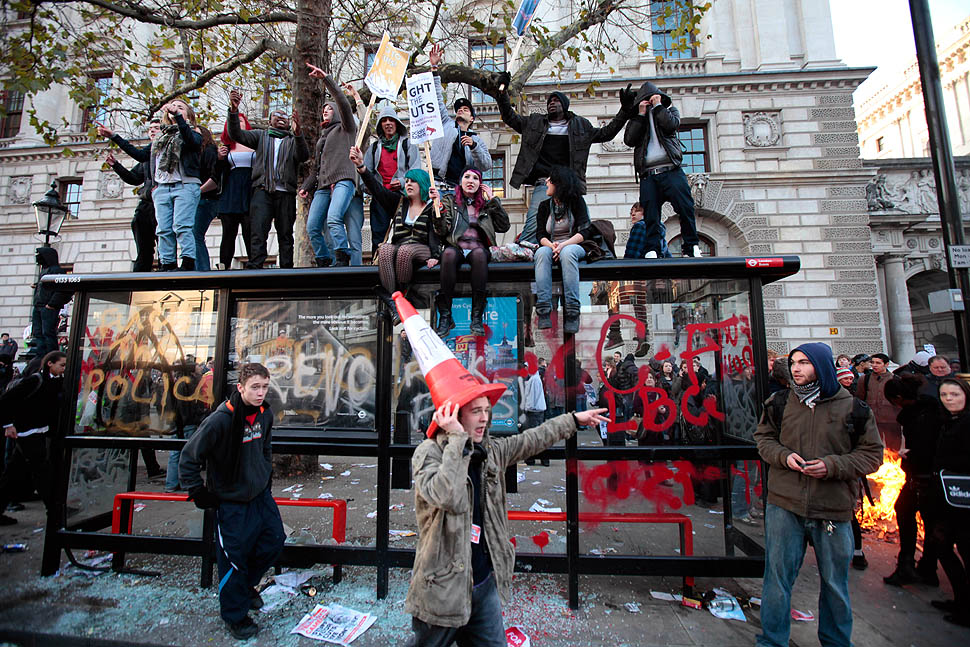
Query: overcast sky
[[879, 33]]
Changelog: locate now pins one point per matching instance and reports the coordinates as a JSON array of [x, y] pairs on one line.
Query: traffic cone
[[447, 379]]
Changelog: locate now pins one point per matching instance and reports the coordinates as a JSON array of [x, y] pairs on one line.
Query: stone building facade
[[775, 169]]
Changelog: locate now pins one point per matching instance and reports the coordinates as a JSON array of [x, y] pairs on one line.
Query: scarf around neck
[[808, 394], [169, 148], [390, 144]]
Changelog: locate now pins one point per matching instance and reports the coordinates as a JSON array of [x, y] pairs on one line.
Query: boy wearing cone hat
[[464, 559]]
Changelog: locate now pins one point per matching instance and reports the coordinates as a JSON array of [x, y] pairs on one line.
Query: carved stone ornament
[[20, 189], [762, 129], [698, 184], [911, 243], [913, 194], [934, 243], [110, 186]]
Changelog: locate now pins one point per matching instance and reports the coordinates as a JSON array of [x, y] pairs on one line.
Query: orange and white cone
[[447, 379]]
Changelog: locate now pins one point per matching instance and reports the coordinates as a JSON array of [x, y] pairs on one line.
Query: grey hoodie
[[373, 152]]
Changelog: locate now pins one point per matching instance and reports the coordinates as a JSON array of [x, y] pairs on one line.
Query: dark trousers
[[250, 537], [28, 461], [143, 229], [670, 186], [952, 528], [485, 627], [266, 210], [380, 222], [912, 499], [43, 329], [231, 222]]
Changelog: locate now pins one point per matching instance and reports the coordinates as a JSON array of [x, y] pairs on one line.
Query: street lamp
[[50, 214]]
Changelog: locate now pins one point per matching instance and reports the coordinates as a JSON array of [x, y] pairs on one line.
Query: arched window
[[708, 248]]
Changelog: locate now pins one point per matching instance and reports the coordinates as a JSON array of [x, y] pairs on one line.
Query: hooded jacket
[[533, 128], [294, 149], [45, 294], [441, 148], [396, 203], [666, 118], [330, 154], [374, 152], [822, 432], [209, 446], [441, 579]]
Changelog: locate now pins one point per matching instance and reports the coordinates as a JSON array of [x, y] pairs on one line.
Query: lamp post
[[50, 214]]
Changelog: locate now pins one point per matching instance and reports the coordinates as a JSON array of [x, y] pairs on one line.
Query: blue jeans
[[316, 221], [485, 627], [569, 259], [740, 498], [340, 221], [786, 535], [204, 215], [175, 206], [530, 229], [172, 473], [354, 217]]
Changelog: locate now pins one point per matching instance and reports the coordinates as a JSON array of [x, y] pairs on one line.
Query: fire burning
[[885, 484]]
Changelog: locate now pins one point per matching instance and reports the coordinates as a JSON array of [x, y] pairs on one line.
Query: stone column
[[902, 336]]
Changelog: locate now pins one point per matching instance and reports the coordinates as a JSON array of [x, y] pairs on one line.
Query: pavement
[[77, 607]]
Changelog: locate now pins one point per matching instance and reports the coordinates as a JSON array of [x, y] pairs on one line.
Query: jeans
[[204, 216], [670, 186], [742, 493], [786, 535], [316, 224], [354, 217], [175, 206], [569, 259], [530, 229], [485, 627], [172, 473], [342, 221]]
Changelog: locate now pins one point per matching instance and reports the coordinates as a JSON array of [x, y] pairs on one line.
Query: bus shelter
[[151, 354]]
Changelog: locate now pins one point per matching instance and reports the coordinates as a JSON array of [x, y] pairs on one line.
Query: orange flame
[[885, 484]]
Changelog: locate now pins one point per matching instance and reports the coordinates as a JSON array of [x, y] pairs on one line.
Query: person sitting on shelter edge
[[235, 445]]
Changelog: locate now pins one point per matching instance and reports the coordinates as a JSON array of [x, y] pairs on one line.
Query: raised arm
[[440, 474], [627, 110]]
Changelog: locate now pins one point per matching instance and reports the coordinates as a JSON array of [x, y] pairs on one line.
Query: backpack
[[373, 152], [856, 423]]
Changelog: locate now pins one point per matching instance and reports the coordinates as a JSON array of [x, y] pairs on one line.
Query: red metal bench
[[685, 525]]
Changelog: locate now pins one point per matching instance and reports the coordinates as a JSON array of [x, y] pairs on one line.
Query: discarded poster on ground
[[725, 606], [515, 637], [542, 505], [293, 579], [334, 624], [669, 597], [802, 616]]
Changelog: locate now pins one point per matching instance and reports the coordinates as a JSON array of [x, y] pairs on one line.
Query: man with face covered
[[556, 137], [280, 149]]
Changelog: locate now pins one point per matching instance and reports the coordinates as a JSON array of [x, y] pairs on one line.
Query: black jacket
[[209, 446], [191, 150], [666, 118], [581, 223], [582, 135], [44, 294], [953, 444], [294, 147], [25, 406], [921, 424]]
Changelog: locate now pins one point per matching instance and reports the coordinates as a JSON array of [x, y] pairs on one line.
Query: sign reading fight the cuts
[[423, 107]]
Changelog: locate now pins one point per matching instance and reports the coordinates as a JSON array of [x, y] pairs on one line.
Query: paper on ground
[[669, 597], [335, 624], [294, 579], [540, 508], [275, 596], [516, 637]]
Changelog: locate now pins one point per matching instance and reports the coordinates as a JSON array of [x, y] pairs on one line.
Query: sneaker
[[244, 629], [747, 520], [341, 258], [904, 574], [643, 347], [651, 255], [859, 562], [694, 251], [255, 600], [544, 320], [613, 341], [571, 324], [7, 521]]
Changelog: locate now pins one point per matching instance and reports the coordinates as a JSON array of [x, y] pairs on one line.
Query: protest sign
[[384, 77], [425, 116]]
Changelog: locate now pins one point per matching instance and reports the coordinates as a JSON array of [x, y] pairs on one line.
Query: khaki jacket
[[441, 581], [823, 432]]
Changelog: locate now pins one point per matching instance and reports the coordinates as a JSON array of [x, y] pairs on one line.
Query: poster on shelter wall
[[321, 355], [487, 357]]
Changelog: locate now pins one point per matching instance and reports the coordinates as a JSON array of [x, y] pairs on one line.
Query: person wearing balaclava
[[556, 137], [334, 181], [815, 459], [279, 152], [47, 304], [658, 159], [235, 445]]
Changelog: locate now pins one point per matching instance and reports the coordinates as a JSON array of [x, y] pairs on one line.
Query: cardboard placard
[[423, 108], [388, 70]]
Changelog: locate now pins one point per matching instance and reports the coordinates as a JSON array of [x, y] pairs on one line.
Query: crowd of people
[[249, 179]]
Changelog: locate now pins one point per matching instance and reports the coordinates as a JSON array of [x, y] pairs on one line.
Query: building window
[[96, 112], [880, 144], [665, 17], [370, 53], [13, 109], [495, 177], [676, 245], [70, 190], [696, 158], [485, 56]]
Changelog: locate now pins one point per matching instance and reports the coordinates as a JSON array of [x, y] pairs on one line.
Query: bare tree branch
[[151, 16]]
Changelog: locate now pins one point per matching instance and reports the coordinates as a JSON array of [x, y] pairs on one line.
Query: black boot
[[905, 573], [341, 258], [168, 267], [188, 264], [385, 297], [477, 326], [643, 347], [323, 262], [445, 320], [571, 323]]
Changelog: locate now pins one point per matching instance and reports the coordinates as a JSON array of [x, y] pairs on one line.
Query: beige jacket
[[822, 432], [441, 581]]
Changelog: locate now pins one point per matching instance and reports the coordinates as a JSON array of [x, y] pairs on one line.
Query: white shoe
[[651, 255], [694, 252]]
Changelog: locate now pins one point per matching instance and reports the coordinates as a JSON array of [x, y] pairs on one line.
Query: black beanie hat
[[563, 99], [463, 101]]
